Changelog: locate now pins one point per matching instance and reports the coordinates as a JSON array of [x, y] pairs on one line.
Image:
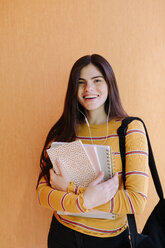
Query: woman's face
[[92, 88]]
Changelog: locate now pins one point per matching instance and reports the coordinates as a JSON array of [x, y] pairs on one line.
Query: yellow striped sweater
[[131, 200]]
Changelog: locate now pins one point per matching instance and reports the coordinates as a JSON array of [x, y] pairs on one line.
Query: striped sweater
[[131, 200]]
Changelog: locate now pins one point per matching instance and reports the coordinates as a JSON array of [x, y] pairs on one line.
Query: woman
[[93, 113]]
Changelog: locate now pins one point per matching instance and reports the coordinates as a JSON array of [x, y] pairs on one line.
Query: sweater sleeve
[[58, 200], [133, 199]]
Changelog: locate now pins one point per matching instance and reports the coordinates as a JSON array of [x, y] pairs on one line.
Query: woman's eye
[[80, 82], [97, 80]]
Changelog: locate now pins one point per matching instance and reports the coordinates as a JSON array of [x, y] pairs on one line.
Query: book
[[76, 161], [92, 214], [100, 156], [92, 153]]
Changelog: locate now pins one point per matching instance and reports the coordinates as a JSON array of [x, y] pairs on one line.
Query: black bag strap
[[121, 133]]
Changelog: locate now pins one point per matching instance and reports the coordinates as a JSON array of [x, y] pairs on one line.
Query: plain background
[[39, 42]]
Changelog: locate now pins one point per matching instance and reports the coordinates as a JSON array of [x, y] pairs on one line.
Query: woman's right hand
[[98, 192], [61, 181]]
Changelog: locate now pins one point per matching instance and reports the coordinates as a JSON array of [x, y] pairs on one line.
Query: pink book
[[91, 151], [75, 160]]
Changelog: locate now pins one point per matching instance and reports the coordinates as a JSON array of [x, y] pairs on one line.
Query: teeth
[[89, 97]]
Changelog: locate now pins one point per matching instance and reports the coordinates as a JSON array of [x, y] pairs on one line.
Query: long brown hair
[[65, 128]]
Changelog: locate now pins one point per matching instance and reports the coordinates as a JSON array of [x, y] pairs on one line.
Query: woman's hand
[[61, 181], [98, 193]]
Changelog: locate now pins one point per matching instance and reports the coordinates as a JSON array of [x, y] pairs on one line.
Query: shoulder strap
[[122, 132]]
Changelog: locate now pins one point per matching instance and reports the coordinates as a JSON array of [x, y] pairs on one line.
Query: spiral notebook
[[105, 157]]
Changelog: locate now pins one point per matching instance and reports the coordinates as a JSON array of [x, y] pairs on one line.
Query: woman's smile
[[90, 97]]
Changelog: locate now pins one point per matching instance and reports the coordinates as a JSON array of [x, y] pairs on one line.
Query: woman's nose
[[88, 86]]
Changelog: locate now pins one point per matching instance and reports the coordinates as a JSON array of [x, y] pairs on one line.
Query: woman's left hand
[[61, 181]]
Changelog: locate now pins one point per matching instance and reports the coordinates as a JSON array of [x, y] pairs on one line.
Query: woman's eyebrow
[[97, 77], [92, 77]]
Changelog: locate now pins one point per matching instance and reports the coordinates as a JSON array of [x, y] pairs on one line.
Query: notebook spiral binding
[[110, 162]]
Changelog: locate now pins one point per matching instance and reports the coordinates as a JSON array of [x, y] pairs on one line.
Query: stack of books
[[82, 163]]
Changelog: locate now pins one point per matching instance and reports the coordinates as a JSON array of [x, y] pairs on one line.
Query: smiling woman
[[93, 113]]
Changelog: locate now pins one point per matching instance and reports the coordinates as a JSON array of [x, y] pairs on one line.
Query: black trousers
[[63, 237]]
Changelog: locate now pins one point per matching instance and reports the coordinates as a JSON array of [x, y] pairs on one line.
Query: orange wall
[[39, 42]]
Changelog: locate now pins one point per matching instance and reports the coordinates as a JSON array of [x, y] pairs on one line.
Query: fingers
[[112, 182], [51, 172], [115, 180], [115, 177], [60, 167], [52, 176]]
